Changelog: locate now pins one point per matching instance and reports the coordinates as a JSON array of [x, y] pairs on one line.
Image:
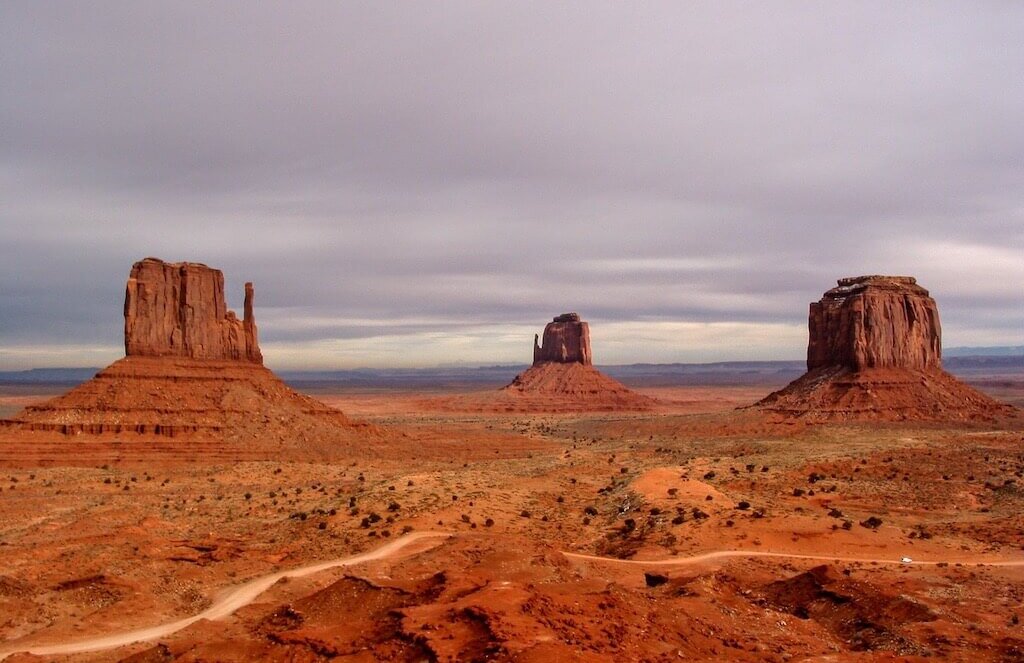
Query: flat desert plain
[[690, 531]]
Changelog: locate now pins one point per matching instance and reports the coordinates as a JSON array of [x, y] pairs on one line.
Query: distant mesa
[[192, 369], [875, 353], [178, 310], [566, 341], [563, 377]]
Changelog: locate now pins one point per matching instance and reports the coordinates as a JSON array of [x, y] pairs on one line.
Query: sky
[[423, 183]]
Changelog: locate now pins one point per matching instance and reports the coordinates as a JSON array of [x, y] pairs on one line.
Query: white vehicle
[[905, 560]]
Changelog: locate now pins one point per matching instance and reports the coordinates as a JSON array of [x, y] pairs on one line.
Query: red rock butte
[[178, 310], [193, 372], [566, 341], [563, 377], [875, 322], [874, 352]]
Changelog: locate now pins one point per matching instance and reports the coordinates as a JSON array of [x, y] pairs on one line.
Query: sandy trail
[[725, 554], [228, 603], [247, 593]]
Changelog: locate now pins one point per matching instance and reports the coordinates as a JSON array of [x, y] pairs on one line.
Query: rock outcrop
[[875, 322], [563, 378], [566, 341], [179, 310], [875, 353], [193, 372]]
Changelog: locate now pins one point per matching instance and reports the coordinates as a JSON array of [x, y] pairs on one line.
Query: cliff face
[[566, 341], [875, 322], [178, 310]]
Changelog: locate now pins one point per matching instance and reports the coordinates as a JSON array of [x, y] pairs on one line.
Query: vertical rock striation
[[566, 341], [179, 310], [875, 322]]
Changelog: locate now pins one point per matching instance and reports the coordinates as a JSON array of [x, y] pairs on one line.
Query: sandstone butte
[[563, 377], [566, 341], [179, 310], [874, 352], [192, 370]]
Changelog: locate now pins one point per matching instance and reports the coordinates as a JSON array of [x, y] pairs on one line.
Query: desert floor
[[569, 537]]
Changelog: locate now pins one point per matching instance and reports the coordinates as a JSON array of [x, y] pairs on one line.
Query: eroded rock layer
[[553, 387], [179, 310], [835, 393], [874, 353], [239, 409]]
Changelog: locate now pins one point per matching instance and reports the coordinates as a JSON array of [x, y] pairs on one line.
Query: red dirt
[[91, 550]]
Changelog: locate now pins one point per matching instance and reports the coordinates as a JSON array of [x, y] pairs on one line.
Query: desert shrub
[[874, 522]]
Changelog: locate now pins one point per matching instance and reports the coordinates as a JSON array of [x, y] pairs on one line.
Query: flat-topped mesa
[[566, 341], [179, 310], [875, 322], [874, 354]]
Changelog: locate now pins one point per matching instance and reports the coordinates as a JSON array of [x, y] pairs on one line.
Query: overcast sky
[[416, 183]]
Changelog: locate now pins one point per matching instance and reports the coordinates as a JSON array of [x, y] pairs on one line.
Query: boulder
[[179, 310]]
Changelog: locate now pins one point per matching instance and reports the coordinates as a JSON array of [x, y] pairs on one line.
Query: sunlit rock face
[[179, 310], [875, 322], [566, 341]]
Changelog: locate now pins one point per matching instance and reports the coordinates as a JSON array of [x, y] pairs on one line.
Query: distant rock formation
[[875, 322], [874, 352], [193, 370], [566, 341], [563, 377], [179, 310]]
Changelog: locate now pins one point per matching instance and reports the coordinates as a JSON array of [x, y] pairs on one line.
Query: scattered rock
[[654, 579]]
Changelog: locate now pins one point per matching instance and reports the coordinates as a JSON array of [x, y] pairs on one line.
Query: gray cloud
[[478, 164]]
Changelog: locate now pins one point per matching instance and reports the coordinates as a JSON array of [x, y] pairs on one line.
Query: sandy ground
[[108, 542]]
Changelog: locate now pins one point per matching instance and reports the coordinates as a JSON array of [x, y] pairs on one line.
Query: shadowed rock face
[[179, 310], [566, 341], [875, 322]]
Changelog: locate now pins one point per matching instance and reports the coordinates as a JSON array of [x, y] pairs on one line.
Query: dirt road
[[232, 600], [725, 554], [247, 593]]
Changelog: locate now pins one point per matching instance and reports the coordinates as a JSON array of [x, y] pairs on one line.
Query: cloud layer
[[416, 184]]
